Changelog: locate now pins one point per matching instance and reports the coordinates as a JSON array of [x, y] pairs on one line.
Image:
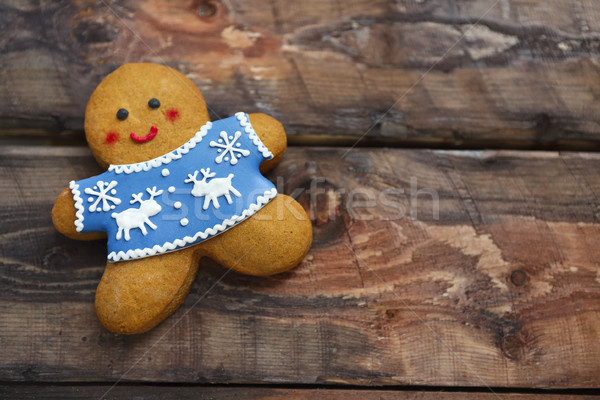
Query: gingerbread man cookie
[[177, 188]]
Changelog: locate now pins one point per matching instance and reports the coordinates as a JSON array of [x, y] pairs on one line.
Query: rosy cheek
[[172, 114], [111, 138]]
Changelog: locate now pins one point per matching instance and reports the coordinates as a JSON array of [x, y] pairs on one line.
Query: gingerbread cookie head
[[141, 111]]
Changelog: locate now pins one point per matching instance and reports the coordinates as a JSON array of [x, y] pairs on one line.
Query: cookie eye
[[153, 103], [122, 114]]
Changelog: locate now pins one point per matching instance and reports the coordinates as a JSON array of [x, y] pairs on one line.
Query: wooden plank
[[255, 393], [501, 289], [513, 72]]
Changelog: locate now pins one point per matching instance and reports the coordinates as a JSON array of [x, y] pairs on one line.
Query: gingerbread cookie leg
[[134, 296], [273, 240]]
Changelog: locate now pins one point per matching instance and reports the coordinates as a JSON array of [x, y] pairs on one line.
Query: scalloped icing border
[[219, 228], [244, 122], [179, 152], [78, 205], [165, 159]]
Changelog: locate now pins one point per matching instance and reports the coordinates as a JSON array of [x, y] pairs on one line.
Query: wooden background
[[475, 271], [501, 73]]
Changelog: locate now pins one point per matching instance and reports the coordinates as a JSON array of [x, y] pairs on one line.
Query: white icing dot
[[230, 137], [184, 221], [239, 156], [95, 187], [220, 150], [114, 191], [237, 145], [98, 209], [177, 205], [112, 207], [90, 199], [220, 140], [171, 189], [226, 159], [165, 172]]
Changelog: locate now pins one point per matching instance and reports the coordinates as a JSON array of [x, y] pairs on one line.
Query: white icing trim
[[179, 152], [168, 246], [245, 123], [78, 205], [167, 158]]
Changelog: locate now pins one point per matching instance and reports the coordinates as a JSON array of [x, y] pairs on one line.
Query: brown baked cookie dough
[[140, 112]]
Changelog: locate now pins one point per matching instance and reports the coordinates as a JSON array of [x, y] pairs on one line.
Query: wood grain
[[510, 73], [501, 289], [139, 392]]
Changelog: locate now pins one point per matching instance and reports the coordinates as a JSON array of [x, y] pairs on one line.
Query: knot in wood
[[518, 277], [207, 9]]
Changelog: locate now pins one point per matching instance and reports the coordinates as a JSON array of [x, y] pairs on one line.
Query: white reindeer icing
[[138, 217], [213, 189]]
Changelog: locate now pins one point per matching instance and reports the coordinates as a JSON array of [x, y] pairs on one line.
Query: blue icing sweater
[[184, 197]]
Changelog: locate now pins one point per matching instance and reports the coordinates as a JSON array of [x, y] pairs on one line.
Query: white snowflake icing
[[101, 191], [229, 149]]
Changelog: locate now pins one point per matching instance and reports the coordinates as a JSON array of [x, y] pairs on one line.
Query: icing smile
[[147, 138]]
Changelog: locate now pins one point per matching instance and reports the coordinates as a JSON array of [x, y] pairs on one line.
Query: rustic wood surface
[[501, 289], [509, 73], [139, 392]]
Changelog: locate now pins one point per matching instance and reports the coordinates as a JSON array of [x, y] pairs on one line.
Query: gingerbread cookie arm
[[271, 133], [63, 217]]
